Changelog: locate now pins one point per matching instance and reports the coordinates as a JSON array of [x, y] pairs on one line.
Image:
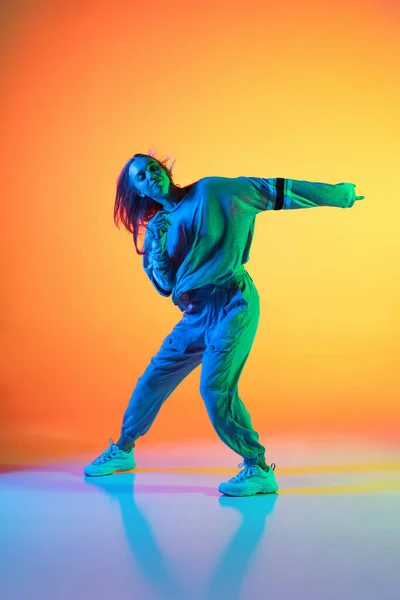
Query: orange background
[[307, 90]]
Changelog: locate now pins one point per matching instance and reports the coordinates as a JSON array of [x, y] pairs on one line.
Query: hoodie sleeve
[[287, 194], [161, 281]]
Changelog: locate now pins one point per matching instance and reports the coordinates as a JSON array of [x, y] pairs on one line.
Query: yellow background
[[306, 90]]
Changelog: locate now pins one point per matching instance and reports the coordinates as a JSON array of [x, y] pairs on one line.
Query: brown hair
[[132, 210]]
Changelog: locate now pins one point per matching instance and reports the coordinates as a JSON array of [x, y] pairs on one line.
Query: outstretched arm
[[287, 194]]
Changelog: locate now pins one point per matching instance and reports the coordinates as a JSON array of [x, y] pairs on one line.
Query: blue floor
[[330, 533]]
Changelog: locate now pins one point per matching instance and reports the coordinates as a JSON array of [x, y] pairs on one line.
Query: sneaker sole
[[271, 489], [103, 473]]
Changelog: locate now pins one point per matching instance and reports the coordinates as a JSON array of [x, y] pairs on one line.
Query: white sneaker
[[111, 460], [251, 480]]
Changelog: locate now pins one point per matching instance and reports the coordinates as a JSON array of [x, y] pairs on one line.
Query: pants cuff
[[256, 460]]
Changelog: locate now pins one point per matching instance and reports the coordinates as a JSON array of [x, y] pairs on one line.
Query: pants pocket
[[220, 345], [176, 342]]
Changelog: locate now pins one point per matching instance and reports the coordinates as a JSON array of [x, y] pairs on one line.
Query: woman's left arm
[[287, 194]]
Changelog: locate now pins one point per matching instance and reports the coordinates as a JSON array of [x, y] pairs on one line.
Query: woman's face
[[149, 178]]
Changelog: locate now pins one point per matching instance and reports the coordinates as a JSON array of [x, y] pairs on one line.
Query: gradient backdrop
[[307, 90]]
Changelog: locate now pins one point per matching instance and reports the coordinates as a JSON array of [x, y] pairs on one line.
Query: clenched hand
[[158, 227]]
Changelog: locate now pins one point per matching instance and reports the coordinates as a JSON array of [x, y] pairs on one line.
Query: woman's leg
[[173, 362], [228, 347], [175, 359]]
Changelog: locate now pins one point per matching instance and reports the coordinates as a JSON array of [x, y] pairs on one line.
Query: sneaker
[[111, 460], [251, 480]]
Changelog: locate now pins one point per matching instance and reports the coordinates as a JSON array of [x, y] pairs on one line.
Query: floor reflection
[[226, 577]]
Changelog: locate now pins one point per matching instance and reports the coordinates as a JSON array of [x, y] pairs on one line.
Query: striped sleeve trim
[[280, 193], [283, 193]]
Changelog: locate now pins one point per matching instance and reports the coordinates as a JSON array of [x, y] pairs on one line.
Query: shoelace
[[247, 472], [111, 451]]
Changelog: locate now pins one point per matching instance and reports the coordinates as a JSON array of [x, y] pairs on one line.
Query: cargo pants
[[217, 330]]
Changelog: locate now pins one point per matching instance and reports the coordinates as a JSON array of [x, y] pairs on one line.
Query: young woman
[[197, 241]]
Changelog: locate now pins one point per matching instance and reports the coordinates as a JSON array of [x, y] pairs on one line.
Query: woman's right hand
[[158, 225]]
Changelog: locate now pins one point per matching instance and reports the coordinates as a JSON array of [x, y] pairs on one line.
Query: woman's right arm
[[157, 264]]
